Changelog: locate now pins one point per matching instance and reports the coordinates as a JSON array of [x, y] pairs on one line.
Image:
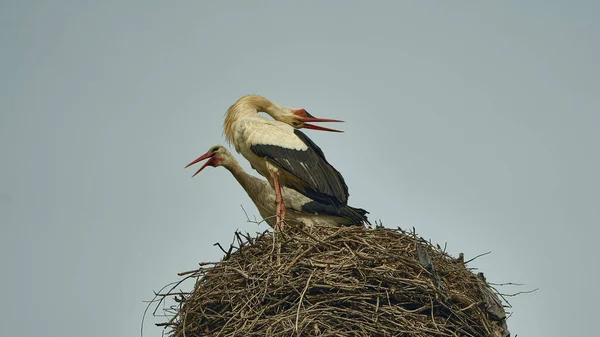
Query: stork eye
[[214, 149]]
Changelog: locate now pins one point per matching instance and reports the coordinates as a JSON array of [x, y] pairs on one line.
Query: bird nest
[[334, 281]]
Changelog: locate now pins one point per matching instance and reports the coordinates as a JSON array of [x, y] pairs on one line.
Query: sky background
[[475, 122]]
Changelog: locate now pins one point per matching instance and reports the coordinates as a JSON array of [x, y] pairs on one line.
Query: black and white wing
[[315, 177]]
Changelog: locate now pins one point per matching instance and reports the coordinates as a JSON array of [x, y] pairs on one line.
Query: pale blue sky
[[476, 123]]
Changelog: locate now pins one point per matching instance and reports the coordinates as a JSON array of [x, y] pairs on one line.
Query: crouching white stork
[[283, 154], [300, 208]]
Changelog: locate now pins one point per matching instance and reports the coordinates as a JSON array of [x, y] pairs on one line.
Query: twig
[[478, 256], [506, 284], [520, 292], [302, 297]]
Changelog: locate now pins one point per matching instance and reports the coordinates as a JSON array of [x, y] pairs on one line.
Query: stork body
[[281, 153], [299, 207]]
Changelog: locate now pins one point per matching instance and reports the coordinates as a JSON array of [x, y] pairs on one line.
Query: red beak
[[320, 128], [207, 155], [311, 118], [306, 117]]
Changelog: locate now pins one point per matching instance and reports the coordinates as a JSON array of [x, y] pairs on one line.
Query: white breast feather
[[260, 131]]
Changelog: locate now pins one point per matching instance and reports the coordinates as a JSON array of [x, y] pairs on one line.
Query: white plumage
[[301, 209], [281, 153]]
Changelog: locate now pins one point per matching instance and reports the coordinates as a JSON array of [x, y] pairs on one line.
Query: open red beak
[[306, 117], [320, 128], [207, 155], [311, 118]]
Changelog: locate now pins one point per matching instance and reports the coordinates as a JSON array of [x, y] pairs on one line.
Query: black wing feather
[[322, 182], [358, 216]]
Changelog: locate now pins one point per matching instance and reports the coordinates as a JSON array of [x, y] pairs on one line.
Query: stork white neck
[[251, 184], [233, 166], [247, 106]]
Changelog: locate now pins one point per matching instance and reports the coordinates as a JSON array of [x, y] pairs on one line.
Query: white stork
[[300, 208], [282, 153]]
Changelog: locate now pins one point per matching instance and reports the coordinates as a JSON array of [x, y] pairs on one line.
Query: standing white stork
[[300, 208], [283, 154]]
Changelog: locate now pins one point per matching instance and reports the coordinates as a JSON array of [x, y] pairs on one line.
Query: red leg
[[280, 203]]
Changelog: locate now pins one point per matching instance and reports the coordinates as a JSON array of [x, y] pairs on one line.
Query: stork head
[[217, 156], [300, 118], [297, 118]]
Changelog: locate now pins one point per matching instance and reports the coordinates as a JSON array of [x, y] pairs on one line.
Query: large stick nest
[[335, 281]]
